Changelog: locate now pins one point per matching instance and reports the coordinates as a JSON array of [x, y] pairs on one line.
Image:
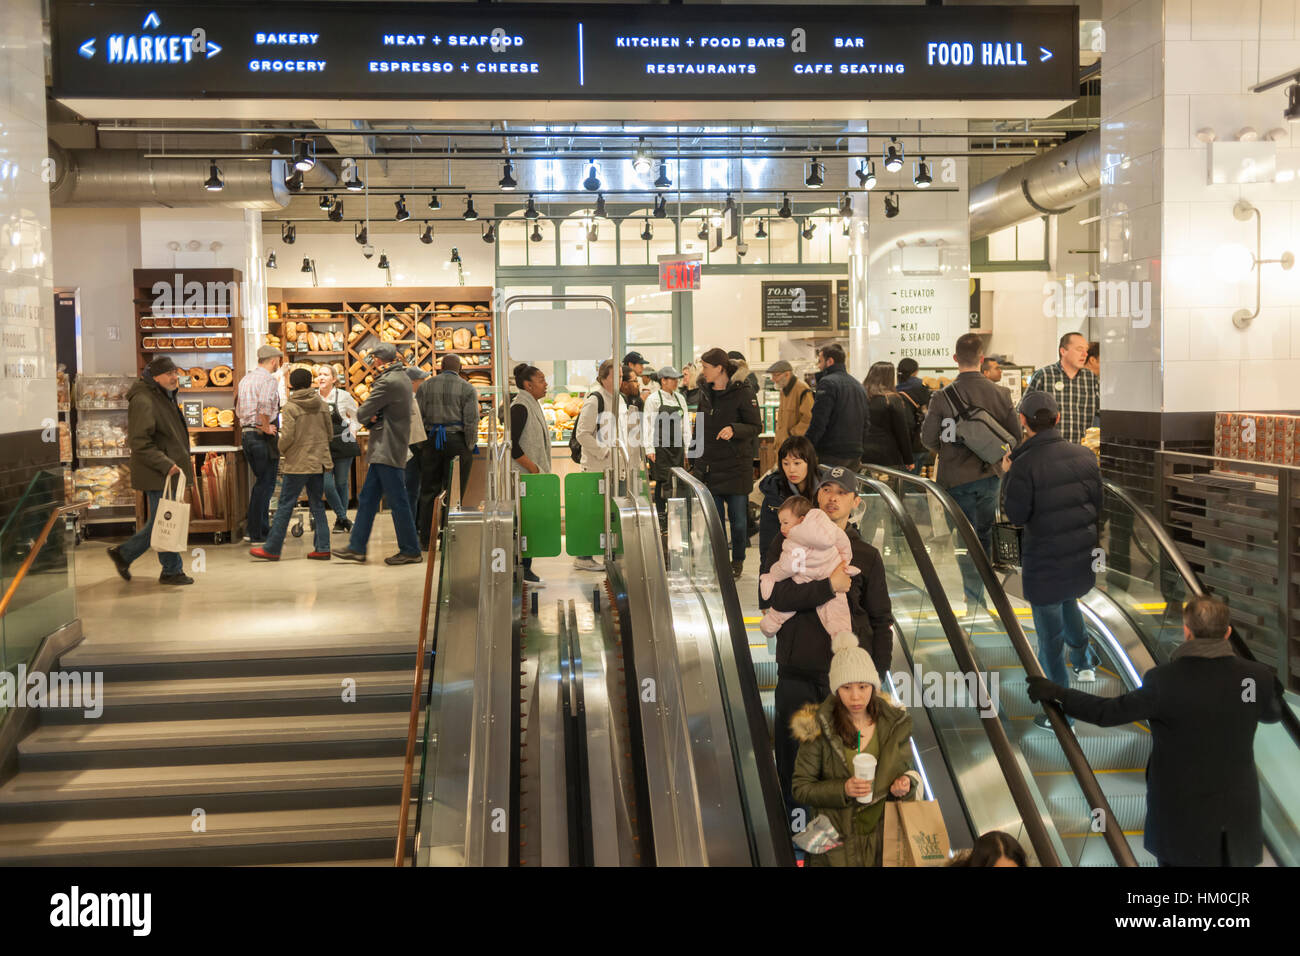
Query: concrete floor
[[240, 600]]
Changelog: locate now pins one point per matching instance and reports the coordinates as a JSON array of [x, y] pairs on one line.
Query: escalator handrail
[[991, 722], [1079, 766], [773, 803]]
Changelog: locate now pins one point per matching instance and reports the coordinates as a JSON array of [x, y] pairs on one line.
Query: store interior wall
[[95, 251], [728, 312]]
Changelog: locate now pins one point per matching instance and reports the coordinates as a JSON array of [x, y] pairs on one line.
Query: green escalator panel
[[584, 513], [539, 516]]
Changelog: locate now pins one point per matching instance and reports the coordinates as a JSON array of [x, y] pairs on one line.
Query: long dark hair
[[720, 358], [990, 848], [798, 446], [880, 380], [842, 720]]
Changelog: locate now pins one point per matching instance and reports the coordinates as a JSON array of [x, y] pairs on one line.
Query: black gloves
[[1042, 688]]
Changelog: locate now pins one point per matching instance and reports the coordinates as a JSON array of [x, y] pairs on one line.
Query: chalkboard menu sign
[[193, 414], [842, 305], [797, 306]]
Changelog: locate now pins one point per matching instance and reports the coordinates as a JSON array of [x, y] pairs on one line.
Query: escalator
[[1133, 616]]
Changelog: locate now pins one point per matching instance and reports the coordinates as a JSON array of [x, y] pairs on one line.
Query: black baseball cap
[[840, 476], [1038, 401], [634, 358]]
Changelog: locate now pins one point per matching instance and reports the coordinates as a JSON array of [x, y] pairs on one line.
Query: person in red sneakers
[[305, 433]]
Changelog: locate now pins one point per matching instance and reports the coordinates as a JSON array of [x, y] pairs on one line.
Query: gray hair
[[1206, 617]]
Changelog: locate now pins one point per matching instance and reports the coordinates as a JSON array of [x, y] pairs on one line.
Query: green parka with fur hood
[[821, 768]]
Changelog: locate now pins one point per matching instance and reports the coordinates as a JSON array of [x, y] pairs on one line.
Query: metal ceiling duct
[[1046, 185], [123, 177]]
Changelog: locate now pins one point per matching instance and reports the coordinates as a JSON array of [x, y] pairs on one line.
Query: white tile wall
[[1202, 66], [1201, 386], [1270, 385]]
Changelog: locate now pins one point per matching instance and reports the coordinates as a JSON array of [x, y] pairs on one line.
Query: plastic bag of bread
[[225, 418], [290, 332], [302, 327]]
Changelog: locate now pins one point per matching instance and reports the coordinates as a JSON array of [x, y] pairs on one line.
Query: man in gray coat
[[386, 412], [450, 408]]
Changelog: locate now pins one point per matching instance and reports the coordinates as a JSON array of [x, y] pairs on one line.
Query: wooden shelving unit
[[214, 317]]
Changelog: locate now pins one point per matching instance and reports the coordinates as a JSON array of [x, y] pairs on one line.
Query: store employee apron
[[670, 446]]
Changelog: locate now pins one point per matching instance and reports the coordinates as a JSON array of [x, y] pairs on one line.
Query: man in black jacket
[[1203, 707], [1053, 489], [803, 648], [839, 412]]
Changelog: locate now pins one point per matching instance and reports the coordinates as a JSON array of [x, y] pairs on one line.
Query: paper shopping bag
[[894, 848], [171, 523], [927, 837]]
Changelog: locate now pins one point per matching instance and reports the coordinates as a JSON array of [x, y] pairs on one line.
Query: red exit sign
[[678, 275]]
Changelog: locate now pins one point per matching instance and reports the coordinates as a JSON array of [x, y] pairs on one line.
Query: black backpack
[[575, 449]]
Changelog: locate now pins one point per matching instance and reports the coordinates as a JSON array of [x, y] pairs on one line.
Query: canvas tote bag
[[171, 523]]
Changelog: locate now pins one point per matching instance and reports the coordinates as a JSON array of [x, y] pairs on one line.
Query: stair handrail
[[36, 550], [408, 764], [1074, 756]]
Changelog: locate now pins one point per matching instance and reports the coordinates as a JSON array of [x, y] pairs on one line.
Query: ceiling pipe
[[1046, 185], [124, 177]]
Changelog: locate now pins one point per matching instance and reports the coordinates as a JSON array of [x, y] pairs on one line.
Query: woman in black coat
[[725, 426], [795, 474], [888, 441]]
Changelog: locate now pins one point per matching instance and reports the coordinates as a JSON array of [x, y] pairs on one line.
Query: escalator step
[[765, 672], [1119, 748], [1072, 813]]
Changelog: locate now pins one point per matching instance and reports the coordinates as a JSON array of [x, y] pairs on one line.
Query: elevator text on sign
[[679, 275]]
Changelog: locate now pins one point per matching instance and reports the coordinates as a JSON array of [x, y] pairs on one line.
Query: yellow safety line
[[1069, 836], [1057, 773]]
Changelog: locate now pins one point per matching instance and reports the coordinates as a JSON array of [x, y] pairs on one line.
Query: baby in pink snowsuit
[[814, 547]]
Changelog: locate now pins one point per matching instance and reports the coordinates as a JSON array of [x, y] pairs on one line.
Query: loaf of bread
[[221, 375], [198, 377], [461, 338]]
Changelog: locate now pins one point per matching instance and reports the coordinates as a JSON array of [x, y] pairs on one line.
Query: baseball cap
[[1037, 401], [161, 365], [416, 374], [265, 352], [669, 372], [781, 366], [634, 358], [384, 352], [842, 477]]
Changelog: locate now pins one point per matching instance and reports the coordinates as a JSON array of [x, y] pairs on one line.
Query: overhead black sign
[[633, 52], [797, 306]]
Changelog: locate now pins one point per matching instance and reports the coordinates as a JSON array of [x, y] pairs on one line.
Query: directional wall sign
[[462, 51]]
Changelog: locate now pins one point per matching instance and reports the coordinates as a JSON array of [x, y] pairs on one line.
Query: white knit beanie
[[851, 664]]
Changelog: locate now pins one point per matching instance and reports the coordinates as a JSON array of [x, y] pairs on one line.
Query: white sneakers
[[589, 564]]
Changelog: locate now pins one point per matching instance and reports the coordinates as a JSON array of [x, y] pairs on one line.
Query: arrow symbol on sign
[[152, 21], [213, 49], [87, 49], [1044, 54]]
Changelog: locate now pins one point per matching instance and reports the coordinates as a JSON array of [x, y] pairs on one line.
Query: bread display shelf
[[209, 388], [213, 428]]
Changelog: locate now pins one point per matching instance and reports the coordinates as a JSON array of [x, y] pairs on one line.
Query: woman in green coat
[[855, 718]]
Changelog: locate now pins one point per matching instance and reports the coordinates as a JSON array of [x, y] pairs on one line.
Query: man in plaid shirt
[[258, 408], [1076, 390]]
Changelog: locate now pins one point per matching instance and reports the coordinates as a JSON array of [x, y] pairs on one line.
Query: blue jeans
[[290, 487], [1060, 627], [262, 452], [413, 482], [138, 543], [338, 487], [734, 511], [978, 501], [386, 482]]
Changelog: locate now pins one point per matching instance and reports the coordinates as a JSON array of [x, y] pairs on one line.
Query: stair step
[[92, 656], [255, 687], [271, 831], [96, 736], [114, 783], [377, 861]]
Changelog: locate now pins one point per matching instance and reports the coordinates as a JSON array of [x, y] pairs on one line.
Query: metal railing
[[26, 566]]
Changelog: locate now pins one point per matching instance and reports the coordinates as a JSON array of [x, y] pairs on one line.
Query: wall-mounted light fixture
[[1242, 211], [310, 266]]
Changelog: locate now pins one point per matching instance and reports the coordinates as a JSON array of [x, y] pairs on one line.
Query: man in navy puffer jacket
[[1053, 489]]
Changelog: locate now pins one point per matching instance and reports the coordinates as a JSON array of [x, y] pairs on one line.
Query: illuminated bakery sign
[[519, 51]]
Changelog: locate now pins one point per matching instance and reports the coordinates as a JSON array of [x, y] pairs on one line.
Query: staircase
[[210, 756]]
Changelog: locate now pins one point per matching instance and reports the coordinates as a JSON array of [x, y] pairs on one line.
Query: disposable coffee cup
[[864, 768]]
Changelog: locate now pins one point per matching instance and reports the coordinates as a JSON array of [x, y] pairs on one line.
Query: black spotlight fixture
[[304, 153], [507, 180], [893, 155], [336, 211], [530, 211], [537, 232], [401, 214], [921, 177], [361, 234], [785, 212], [270, 261], [816, 175], [293, 182], [641, 161], [383, 260], [662, 181], [661, 208], [306, 264], [489, 233], [325, 202], [1292, 112], [426, 237], [846, 207], [470, 212], [353, 183], [434, 202], [288, 233], [809, 228], [592, 182], [647, 233], [214, 183], [703, 234], [599, 211], [761, 231], [891, 206], [867, 174]]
